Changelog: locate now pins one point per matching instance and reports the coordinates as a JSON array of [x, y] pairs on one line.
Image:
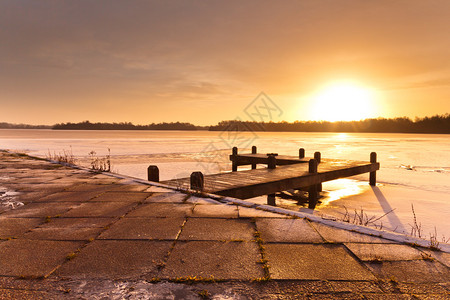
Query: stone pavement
[[71, 233]]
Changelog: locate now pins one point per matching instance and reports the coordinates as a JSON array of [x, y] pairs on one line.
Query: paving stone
[[216, 211], [135, 187], [33, 257], [171, 197], [87, 187], [336, 235], [384, 252], [15, 227], [24, 294], [312, 262], [287, 230], [42, 209], [421, 288], [247, 212], [219, 260], [442, 257], [144, 228], [157, 189], [355, 287], [122, 196], [162, 210], [419, 271], [203, 201], [385, 296], [116, 259], [217, 229], [100, 209], [78, 222], [68, 197], [63, 233]]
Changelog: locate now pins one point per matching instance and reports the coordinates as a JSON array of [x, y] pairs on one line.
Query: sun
[[344, 101]]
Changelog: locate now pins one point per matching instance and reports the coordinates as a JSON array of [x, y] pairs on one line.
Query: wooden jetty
[[281, 174]]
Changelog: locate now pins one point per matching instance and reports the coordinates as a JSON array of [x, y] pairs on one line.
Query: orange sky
[[204, 61]]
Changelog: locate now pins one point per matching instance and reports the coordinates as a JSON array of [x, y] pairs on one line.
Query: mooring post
[[271, 161], [312, 191], [271, 200], [234, 154], [317, 157], [253, 152], [153, 173], [373, 175], [197, 181], [301, 153]]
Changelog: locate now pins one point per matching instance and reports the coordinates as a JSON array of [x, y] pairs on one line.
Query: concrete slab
[[15, 227], [68, 197], [144, 229], [116, 259], [442, 257], [122, 196], [417, 271], [246, 212], [384, 252], [122, 187], [63, 234], [203, 201], [41, 210], [87, 187], [171, 197], [78, 222], [314, 262], [217, 230], [100, 209], [32, 257], [157, 189], [287, 230], [219, 260], [216, 211], [162, 210], [336, 235]]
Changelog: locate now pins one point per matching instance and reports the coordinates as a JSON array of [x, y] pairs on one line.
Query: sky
[[207, 61]]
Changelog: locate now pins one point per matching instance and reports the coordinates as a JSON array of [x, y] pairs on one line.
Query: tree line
[[434, 124]]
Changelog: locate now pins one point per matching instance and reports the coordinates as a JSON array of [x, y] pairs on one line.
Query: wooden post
[[312, 191], [317, 157], [253, 152], [197, 181], [373, 175], [271, 161], [234, 163], [153, 173], [271, 200], [301, 153]]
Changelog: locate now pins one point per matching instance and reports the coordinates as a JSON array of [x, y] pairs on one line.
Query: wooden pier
[[281, 174]]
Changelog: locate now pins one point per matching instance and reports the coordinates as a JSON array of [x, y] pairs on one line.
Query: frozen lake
[[415, 168]]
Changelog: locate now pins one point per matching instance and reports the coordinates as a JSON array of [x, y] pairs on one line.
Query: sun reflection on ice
[[341, 188]]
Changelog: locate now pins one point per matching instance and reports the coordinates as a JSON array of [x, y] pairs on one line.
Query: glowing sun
[[343, 102]]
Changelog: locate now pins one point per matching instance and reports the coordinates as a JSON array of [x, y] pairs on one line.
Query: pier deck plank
[[257, 182]]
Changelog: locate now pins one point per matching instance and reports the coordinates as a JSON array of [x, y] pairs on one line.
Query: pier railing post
[[271, 200], [253, 152], [317, 156], [153, 173], [373, 175], [234, 163], [312, 191], [301, 153], [271, 161], [197, 181]]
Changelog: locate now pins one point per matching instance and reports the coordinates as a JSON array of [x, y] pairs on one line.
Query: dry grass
[[66, 156], [100, 164]]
